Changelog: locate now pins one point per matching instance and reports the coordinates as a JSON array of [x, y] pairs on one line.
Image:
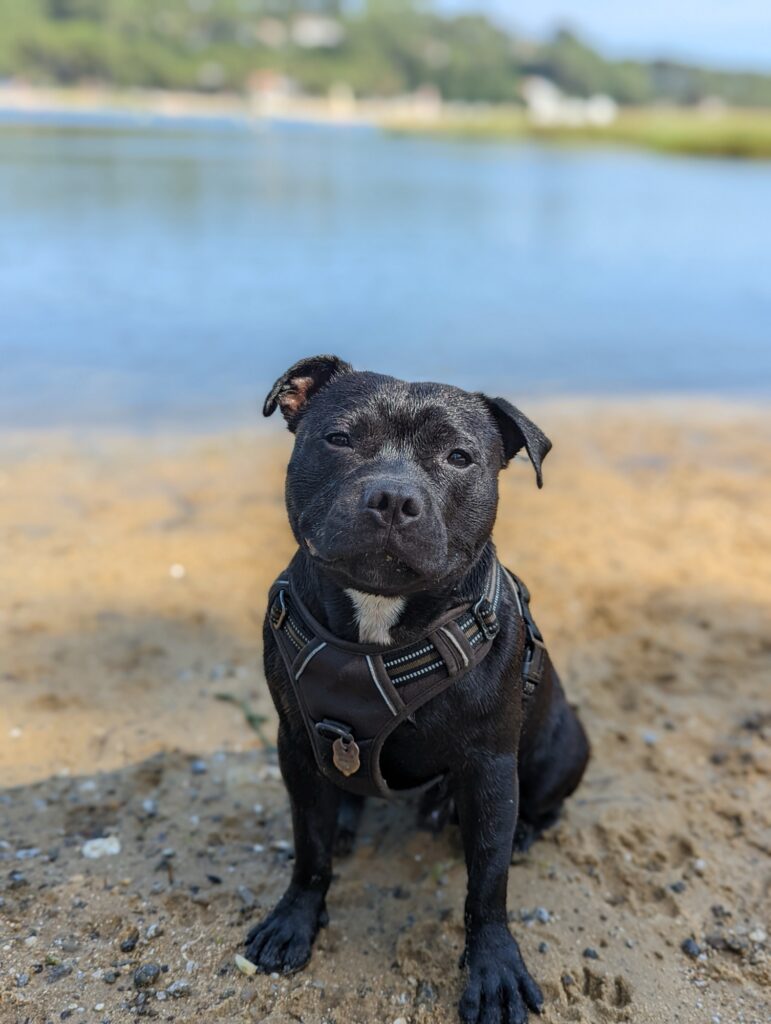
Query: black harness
[[353, 696]]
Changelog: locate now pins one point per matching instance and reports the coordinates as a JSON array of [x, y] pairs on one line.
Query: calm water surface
[[154, 274]]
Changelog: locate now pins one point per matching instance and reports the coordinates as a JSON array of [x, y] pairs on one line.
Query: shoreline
[[727, 132], [678, 408]]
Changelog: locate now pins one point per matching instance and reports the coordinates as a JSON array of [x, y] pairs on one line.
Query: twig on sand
[[254, 720]]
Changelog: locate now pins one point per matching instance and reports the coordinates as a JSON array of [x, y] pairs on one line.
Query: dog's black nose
[[393, 506]]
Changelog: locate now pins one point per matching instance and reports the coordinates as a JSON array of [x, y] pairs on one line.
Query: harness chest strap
[[353, 696]]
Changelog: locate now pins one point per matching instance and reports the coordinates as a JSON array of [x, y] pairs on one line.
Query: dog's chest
[[375, 616]]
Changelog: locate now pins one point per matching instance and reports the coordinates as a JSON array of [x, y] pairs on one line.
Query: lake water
[[166, 273]]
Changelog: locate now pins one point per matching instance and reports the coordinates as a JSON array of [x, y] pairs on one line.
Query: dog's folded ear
[[518, 432], [295, 388]]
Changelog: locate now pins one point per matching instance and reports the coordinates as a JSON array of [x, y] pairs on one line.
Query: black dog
[[392, 495]]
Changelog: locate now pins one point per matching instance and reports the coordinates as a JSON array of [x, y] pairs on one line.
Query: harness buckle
[[487, 620], [278, 611], [534, 663]]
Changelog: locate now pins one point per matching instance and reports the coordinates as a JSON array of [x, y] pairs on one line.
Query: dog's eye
[[459, 458], [338, 440]]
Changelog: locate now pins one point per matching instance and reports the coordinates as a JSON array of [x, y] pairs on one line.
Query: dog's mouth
[[373, 570]]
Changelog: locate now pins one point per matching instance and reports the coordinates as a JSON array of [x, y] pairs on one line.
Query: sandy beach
[[133, 573]]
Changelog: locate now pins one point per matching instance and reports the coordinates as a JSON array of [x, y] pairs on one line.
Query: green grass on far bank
[[731, 133]]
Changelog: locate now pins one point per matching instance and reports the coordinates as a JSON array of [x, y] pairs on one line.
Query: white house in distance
[[548, 106]]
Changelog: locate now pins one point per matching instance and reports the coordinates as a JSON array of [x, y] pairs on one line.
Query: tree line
[[377, 47]]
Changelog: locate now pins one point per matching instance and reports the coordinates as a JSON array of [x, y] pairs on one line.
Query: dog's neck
[[374, 619]]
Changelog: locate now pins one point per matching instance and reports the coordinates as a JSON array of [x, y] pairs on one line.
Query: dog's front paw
[[500, 989], [284, 940]]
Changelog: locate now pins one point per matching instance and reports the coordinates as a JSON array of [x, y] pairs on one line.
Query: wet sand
[[133, 574]]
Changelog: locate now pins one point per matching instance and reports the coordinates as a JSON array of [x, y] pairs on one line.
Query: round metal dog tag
[[345, 754]]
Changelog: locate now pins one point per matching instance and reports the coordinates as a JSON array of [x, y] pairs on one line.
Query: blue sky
[[734, 33]]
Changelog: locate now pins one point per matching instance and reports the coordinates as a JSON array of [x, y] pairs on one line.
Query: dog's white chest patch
[[375, 616]]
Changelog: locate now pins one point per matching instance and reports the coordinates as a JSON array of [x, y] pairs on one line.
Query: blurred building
[[548, 105]]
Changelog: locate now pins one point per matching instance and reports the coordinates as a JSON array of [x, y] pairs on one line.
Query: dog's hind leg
[[550, 769], [437, 808], [528, 832], [348, 818]]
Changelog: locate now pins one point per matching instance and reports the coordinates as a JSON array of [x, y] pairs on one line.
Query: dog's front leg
[[283, 941], [499, 988]]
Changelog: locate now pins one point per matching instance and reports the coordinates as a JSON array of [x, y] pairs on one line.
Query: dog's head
[[393, 487]]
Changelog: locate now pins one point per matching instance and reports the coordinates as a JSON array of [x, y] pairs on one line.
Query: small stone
[[543, 947], [591, 954], [650, 739], [736, 943], [629, 943], [178, 989], [150, 807], [425, 994], [110, 977], [542, 915], [177, 571], [106, 846], [17, 880], [691, 948], [678, 887], [129, 941], [247, 897], [281, 845], [59, 971], [699, 866], [153, 930], [146, 975], [716, 940], [245, 966], [199, 767], [755, 721], [400, 1020], [28, 853], [758, 935], [22, 980]]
